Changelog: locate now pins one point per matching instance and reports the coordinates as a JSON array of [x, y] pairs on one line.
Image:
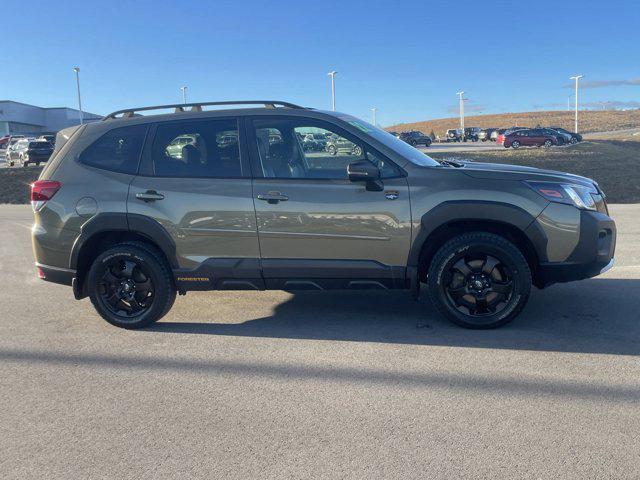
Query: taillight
[[42, 191]]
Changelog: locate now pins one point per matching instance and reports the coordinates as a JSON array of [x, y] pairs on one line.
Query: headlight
[[580, 196]]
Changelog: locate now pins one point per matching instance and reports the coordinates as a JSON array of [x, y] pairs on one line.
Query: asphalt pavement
[[319, 385]]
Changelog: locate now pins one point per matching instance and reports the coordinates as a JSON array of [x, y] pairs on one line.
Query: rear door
[[195, 182], [317, 229], [536, 137]]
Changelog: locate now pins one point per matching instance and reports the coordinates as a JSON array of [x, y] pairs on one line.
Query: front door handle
[[149, 196], [273, 197]]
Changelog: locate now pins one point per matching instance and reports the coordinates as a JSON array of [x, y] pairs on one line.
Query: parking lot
[[445, 147], [331, 385]]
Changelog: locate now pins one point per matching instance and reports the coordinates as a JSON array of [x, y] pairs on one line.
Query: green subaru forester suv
[[128, 219]]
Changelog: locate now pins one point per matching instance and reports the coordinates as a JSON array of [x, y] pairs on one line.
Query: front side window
[[199, 149], [295, 148], [117, 150]]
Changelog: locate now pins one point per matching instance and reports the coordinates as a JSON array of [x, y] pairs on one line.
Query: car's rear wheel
[[515, 144], [332, 150], [130, 285], [357, 151], [479, 280], [547, 143], [573, 140]]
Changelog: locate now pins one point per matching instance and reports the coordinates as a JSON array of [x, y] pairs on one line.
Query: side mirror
[[365, 171]]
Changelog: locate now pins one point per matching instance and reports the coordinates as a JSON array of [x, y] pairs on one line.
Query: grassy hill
[[590, 121]]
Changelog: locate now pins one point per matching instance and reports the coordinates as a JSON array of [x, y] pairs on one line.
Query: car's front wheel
[[130, 285], [515, 144], [479, 280], [547, 143], [573, 140]]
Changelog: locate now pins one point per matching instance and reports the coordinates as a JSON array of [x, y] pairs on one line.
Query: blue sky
[[408, 59]]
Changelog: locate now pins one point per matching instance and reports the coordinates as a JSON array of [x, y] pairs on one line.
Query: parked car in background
[[531, 137], [471, 133], [497, 132], [7, 141], [27, 151], [485, 134], [175, 148], [337, 145], [4, 141], [314, 142], [454, 135], [395, 134], [573, 137], [562, 138], [49, 138], [415, 138], [12, 140]]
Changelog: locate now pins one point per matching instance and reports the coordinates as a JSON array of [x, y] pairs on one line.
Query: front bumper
[[593, 254]]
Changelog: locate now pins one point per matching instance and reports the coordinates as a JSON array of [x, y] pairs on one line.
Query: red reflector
[[44, 190], [40, 273], [551, 193]]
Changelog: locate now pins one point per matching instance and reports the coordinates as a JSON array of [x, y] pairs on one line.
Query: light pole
[[77, 70], [461, 95], [332, 74], [184, 93], [576, 78], [373, 110]]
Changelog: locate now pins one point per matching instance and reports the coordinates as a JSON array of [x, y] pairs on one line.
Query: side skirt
[[290, 275]]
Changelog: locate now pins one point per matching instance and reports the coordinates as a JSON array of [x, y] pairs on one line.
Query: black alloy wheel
[[126, 288], [131, 285], [479, 280], [478, 284]]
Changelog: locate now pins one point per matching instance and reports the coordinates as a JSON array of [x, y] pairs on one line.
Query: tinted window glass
[[117, 150], [205, 149], [295, 148], [402, 148]]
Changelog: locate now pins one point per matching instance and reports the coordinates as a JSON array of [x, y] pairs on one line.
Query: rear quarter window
[[118, 150]]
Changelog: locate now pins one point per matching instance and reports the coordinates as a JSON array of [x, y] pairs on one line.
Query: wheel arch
[[450, 219], [108, 229]]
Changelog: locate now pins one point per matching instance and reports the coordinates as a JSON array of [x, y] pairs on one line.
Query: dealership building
[[23, 119]]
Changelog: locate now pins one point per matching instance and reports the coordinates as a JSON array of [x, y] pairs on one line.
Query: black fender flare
[[475, 210], [123, 222]]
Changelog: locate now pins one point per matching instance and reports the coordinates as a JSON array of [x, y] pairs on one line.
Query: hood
[[517, 172]]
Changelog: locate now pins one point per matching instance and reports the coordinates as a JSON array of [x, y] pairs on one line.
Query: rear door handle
[[273, 197], [149, 196]]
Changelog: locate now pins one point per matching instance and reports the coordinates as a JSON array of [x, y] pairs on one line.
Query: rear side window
[[117, 150], [197, 149]]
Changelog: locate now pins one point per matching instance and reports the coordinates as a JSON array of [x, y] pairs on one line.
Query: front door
[[195, 182], [316, 228]]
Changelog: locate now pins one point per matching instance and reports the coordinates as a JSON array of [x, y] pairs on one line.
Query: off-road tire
[[164, 293], [493, 245]]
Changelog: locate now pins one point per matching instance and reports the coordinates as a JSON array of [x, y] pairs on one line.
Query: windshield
[[402, 148]]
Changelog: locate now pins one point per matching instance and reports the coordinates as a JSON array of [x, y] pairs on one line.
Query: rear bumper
[[63, 276], [593, 255]]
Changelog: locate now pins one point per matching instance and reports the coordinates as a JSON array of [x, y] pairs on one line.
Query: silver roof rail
[[197, 107]]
